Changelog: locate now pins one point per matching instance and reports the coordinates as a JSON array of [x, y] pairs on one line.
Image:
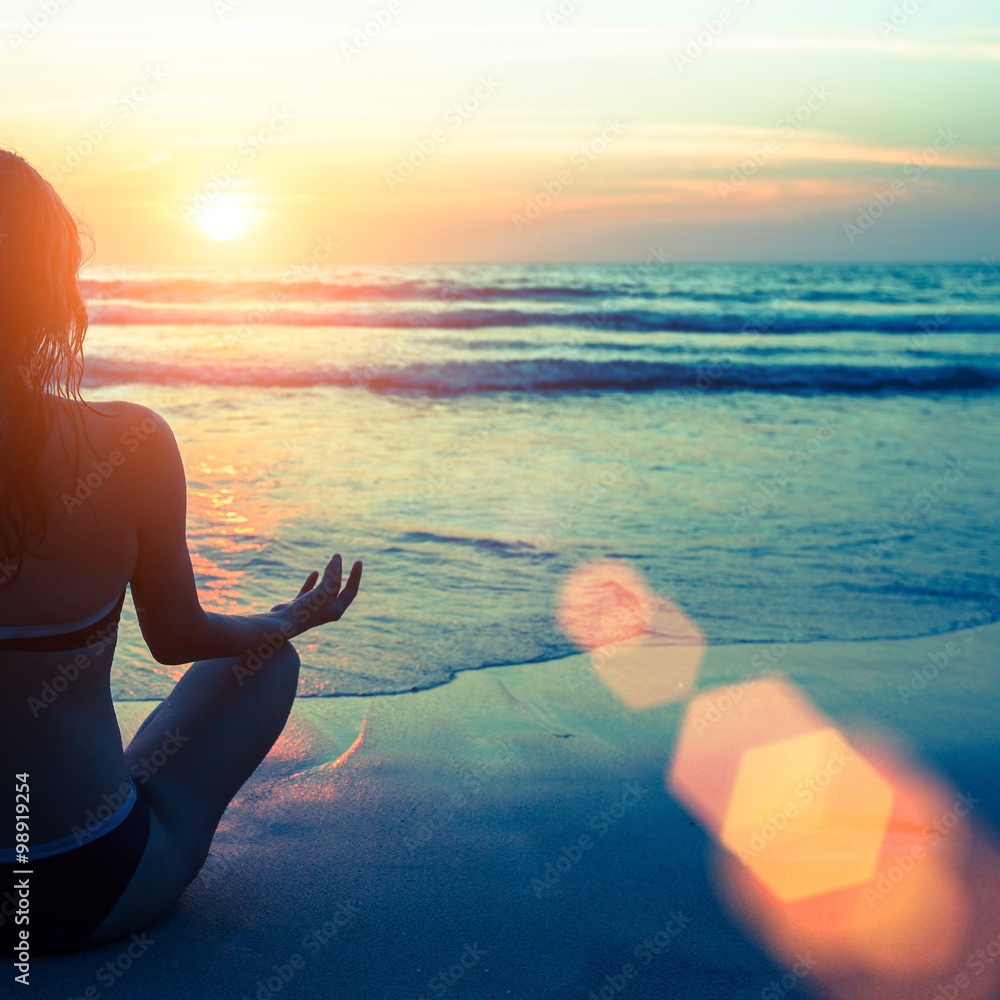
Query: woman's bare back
[[57, 705], [126, 524]]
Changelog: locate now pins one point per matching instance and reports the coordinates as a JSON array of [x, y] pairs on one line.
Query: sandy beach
[[634, 372], [509, 835]]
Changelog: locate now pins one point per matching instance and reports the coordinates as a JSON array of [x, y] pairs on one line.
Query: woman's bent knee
[[266, 659]]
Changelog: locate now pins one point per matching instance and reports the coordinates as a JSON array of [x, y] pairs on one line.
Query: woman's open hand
[[326, 602]]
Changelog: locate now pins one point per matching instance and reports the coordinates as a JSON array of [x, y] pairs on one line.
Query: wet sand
[[509, 835]]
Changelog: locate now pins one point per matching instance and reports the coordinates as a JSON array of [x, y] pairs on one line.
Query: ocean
[[787, 452]]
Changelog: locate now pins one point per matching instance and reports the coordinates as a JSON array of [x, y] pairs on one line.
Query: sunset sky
[[201, 131]]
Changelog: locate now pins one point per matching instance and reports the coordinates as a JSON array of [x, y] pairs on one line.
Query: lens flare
[[925, 925], [603, 604], [224, 221], [807, 815], [719, 726], [852, 867], [644, 648]]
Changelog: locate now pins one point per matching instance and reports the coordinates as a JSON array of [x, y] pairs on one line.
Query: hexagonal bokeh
[[644, 648], [928, 915], [720, 725], [659, 665], [807, 815], [603, 604]]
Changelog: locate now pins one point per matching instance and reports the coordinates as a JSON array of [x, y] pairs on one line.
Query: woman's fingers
[[309, 584], [350, 591], [328, 594], [331, 577]]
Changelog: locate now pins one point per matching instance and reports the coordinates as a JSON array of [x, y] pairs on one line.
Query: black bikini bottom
[[69, 895]]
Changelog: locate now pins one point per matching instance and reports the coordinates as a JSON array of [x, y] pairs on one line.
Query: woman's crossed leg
[[221, 719]]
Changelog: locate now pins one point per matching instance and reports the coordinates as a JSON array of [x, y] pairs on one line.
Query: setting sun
[[593, 405], [224, 221]]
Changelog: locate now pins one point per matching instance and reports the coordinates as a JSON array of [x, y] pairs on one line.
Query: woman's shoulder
[[112, 415], [118, 431]]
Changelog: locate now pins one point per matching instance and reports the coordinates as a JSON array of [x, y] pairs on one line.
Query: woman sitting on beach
[[113, 837]]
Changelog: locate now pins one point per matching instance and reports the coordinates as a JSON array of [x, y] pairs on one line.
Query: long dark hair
[[43, 320]]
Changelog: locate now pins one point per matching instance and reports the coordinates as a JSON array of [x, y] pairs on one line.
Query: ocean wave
[[194, 290], [541, 375], [244, 315], [750, 286], [494, 545]]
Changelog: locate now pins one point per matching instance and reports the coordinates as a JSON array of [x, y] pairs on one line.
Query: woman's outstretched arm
[[174, 625]]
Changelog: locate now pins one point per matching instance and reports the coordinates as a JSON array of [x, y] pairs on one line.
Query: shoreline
[[733, 645], [512, 826]]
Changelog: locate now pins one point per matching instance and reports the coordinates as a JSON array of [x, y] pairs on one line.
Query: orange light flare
[[604, 603], [306, 756], [718, 727], [230, 512], [838, 851], [219, 590], [300, 744], [644, 648], [925, 926]]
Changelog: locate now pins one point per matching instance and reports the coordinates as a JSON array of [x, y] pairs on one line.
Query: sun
[[224, 221]]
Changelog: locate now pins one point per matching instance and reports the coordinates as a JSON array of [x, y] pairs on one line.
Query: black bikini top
[[67, 635]]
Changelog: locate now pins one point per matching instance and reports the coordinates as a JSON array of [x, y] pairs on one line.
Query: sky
[[412, 131]]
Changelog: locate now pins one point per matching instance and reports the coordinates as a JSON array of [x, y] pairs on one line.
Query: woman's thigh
[[189, 759]]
